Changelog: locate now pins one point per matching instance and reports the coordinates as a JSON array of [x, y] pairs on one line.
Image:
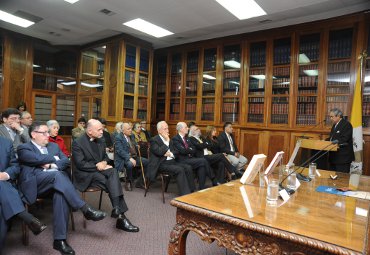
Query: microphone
[[304, 164], [312, 128]]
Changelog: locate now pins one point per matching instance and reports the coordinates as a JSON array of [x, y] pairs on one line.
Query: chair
[[89, 189], [165, 181]]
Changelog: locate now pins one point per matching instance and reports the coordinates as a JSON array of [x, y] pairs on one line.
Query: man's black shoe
[[63, 247], [238, 174], [125, 225], [36, 226], [93, 214], [115, 212]]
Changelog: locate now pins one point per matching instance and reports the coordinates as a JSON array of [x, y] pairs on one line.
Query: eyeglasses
[[45, 133], [14, 118]]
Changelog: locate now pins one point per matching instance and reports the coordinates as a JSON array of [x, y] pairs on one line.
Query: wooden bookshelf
[[366, 88], [191, 85], [160, 85], [176, 83]]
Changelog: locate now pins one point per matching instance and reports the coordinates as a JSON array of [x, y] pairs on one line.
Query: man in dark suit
[[162, 159], [341, 133], [10, 202], [42, 171], [185, 153], [218, 161], [125, 155], [227, 145], [92, 169]]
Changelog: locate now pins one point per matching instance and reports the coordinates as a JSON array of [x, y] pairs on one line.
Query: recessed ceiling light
[[10, 18], [242, 9], [148, 28], [71, 1]]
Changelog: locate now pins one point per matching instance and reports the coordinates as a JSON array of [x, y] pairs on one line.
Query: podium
[[314, 146]]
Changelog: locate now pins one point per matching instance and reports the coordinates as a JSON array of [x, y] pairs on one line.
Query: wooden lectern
[[312, 144]]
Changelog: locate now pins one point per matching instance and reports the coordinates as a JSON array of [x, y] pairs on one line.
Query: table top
[[317, 217]]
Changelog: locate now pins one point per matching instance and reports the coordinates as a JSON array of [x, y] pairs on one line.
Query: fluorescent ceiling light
[[258, 76], [71, 1], [311, 72], [303, 59], [242, 9], [91, 85], [91, 74], [234, 82], [36, 66], [147, 27], [69, 83], [232, 64], [10, 18], [209, 77]]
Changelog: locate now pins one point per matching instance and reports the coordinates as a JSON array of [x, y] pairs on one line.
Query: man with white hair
[[185, 153], [162, 159]]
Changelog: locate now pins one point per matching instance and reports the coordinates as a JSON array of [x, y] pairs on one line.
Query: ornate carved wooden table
[[238, 218]]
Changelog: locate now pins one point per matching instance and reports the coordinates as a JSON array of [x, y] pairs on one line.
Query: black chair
[[165, 181]]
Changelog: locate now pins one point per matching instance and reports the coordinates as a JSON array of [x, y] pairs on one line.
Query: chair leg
[[163, 188], [84, 199], [147, 188], [167, 182], [100, 198]]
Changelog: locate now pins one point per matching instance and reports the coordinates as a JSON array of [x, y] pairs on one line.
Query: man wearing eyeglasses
[[11, 128], [42, 171]]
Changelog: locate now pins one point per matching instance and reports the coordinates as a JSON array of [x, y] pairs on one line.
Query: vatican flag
[[356, 121]]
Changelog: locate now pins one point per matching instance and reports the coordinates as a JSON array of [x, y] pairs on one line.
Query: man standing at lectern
[[341, 133]]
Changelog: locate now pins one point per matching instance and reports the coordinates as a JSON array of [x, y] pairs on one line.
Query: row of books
[[280, 100], [189, 116], [230, 117], [144, 64], [337, 99], [208, 107], [128, 102], [128, 113], [340, 48], [366, 98], [280, 91], [230, 84], [279, 119], [307, 81], [280, 108], [366, 108], [207, 116], [342, 67], [209, 86], [256, 108], [141, 114], [142, 103], [129, 77], [306, 99], [232, 74], [160, 115], [230, 107], [143, 90], [162, 65], [281, 83], [130, 61], [306, 120], [256, 93], [256, 83], [282, 54], [306, 108], [256, 100], [282, 71], [191, 85], [304, 90], [174, 116], [129, 88], [176, 64], [143, 80], [258, 56], [258, 118], [310, 49], [339, 105], [337, 90], [306, 67], [192, 63], [210, 59], [175, 107]]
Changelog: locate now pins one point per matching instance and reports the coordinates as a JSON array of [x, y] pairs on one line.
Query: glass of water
[[272, 190], [312, 170]]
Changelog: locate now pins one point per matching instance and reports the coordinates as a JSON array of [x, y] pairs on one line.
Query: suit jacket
[[122, 151], [213, 144], [180, 151], [199, 147], [8, 161], [18, 139], [85, 160], [31, 159], [157, 150], [224, 144], [342, 133]]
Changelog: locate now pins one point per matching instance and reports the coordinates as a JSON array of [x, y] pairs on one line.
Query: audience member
[[211, 139], [107, 138], [92, 170], [54, 127], [162, 160], [145, 130], [117, 131], [126, 157], [218, 161], [80, 129], [10, 202], [184, 153], [141, 140], [26, 122], [21, 107], [11, 128], [341, 133], [227, 145], [42, 165]]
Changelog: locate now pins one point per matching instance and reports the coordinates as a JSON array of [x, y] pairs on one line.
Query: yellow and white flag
[[356, 121]]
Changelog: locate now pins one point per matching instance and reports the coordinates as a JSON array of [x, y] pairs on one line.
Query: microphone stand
[[291, 191]]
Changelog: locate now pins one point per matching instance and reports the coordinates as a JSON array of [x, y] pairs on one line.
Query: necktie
[[185, 143], [44, 150]]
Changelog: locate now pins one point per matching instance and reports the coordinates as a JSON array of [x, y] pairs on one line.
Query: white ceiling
[[190, 20]]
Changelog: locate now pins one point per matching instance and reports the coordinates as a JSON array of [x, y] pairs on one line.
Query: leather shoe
[[125, 225], [93, 214], [63, 247], [115, 212], [238, 174], [36, 226]]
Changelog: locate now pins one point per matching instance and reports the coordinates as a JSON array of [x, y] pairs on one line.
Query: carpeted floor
[[154, 218]]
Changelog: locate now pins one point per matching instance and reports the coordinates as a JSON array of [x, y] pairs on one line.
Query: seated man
[[185, 153], [217, 160], [140, 139], [88, 153], [227, 145], [162, 159], [42, 170], [125, 155], [10, 201]]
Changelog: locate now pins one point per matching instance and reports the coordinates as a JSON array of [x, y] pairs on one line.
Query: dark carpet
[[154, 218]]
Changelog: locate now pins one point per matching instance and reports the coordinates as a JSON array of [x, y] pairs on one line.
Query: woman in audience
[[211, 138], [141, 139], [53, 126]]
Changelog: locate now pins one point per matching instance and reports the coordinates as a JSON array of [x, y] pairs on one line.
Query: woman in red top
[[53, 126]]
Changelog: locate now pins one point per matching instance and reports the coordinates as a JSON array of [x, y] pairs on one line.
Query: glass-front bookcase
[[231, 83], [209, 84], [191, 84], [366, 88], [175, 89], [161, 87]]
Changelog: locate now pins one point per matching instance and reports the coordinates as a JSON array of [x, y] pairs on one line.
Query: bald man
[[92, 169]]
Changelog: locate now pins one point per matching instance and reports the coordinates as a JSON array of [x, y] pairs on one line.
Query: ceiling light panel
[[242, 9], [148, 28], [10, 18]]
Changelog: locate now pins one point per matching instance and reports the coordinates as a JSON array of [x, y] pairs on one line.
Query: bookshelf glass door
[[231, 83], [309, 53], [281, 81], [209, 84], [338, 71], [257, 79], [191, 85], [161, 87], [176, 82], [366, 91]]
